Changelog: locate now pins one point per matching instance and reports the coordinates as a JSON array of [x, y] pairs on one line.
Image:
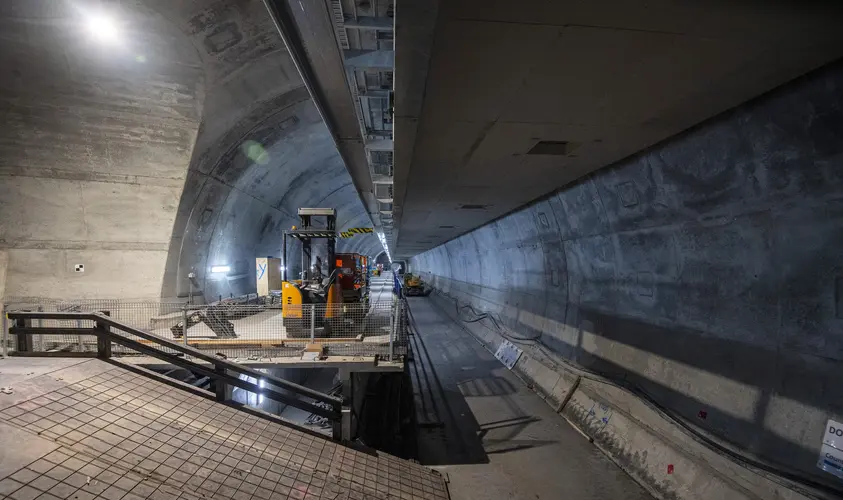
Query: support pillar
[[222, 390], [346, 377]]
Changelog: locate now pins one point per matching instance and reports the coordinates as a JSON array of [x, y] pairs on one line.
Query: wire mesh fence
[[245, 331]]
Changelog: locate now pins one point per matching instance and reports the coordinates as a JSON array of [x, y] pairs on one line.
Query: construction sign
[[349, 233]]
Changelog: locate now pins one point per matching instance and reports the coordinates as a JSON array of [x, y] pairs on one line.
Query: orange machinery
[[353, 276]]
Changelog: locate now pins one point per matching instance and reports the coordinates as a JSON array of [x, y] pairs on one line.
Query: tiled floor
[[126, 436]]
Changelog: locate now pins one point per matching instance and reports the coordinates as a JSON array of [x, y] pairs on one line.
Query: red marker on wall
[[670, 468]]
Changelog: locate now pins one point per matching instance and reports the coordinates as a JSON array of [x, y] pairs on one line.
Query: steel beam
[[370, 23], [369, 59]]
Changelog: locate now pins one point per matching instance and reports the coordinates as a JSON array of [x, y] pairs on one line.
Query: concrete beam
[[380, 145], [369, 59], [370, 23]]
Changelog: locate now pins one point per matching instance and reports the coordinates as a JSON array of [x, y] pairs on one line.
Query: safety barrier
[[107, 332], [235, 330]]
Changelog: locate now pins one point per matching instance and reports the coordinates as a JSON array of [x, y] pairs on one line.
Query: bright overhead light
[[102, 27], [220, 269]]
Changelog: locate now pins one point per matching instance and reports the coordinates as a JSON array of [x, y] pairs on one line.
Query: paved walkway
[[494, 437], [90, 429], [380, 288]]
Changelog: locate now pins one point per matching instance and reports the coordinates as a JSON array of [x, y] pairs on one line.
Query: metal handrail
[[102, 330]]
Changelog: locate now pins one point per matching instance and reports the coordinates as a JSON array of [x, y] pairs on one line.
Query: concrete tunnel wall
[[708, 270], [189, 143], [93, 149]]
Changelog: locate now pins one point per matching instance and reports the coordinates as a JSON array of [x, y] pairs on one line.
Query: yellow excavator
[[413, 285], [312, 302]]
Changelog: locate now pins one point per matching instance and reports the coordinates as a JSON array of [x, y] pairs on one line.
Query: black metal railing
[[224, 373]]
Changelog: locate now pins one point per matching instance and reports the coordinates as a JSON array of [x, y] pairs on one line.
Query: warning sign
[[349, 233], [831, 454]]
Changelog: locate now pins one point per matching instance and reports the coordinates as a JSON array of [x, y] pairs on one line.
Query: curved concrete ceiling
[[264, 153], [598, 80], [192, 90]]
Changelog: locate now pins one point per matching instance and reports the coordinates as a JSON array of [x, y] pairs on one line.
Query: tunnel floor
[[495, 437]]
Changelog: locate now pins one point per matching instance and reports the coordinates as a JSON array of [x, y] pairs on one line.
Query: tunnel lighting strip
[[385, 246], [220, 269]]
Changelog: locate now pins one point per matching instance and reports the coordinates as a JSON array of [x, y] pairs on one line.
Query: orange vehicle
[[313, 289], [352, 276]]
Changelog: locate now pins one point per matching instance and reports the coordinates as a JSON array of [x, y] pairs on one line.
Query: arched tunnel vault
[[240, 207], [248, 178], [707, 270], [187, 142]]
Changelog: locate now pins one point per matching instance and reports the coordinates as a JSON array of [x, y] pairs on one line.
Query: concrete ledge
[[658, 454], [636, 437]]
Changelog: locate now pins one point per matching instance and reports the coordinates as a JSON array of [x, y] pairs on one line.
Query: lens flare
[[255, 152]]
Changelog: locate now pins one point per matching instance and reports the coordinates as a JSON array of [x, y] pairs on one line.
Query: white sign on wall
[[508, 354], [831, 452]]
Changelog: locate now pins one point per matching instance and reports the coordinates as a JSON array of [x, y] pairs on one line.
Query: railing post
[[184, 325], [39, 345], [220, 387], [346, 378], [103, 342], [79, 343], [313, 323], [24, 340], [394, 329]]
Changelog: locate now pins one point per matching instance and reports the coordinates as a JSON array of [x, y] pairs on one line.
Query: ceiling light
[[220, 269], [102, 27]]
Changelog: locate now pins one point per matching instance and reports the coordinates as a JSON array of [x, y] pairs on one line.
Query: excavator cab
[[413, 284], [312, 301]]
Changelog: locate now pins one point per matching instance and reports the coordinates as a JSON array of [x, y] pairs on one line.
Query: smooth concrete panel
[[41, 209], [126, 274], [43, 212], [112, 211]]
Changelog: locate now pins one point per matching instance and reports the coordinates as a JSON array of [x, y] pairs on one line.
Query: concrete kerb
[[663, 457]]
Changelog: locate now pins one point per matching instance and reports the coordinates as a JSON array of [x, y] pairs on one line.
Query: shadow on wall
[[706, 270]]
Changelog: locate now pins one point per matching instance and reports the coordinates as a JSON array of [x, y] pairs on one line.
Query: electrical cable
[[794, 480], [480, 316]]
